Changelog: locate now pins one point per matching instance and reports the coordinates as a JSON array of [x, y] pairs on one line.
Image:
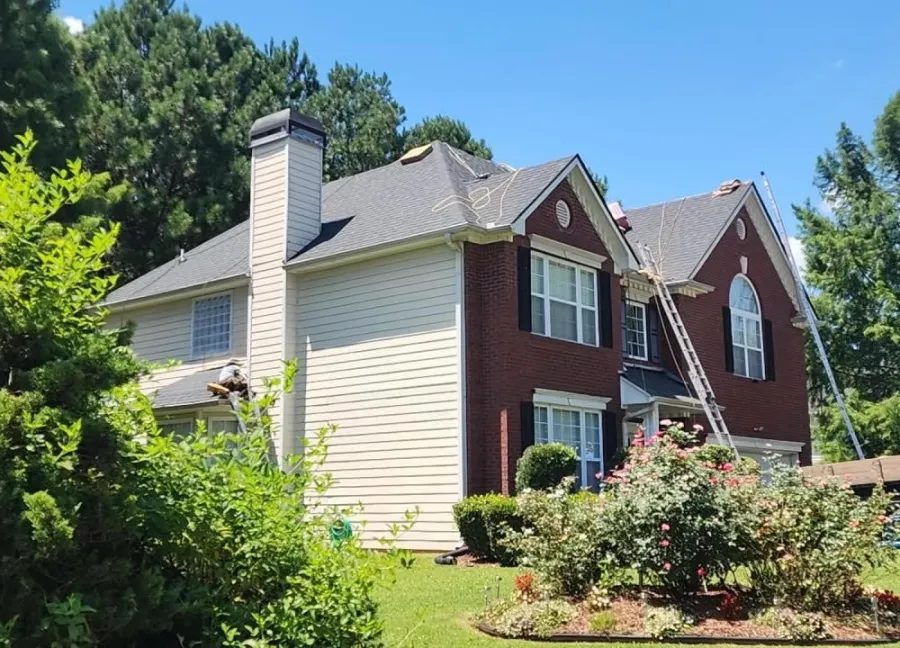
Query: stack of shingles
[[865, 472]]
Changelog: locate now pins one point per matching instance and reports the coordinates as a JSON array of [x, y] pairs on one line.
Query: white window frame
[[221, 419], [749, 317], [177, 421], [579, 307], [557, 401], [227, 351], [643, 308]]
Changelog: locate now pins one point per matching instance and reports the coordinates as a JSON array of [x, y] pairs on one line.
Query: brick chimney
[[285, 216]]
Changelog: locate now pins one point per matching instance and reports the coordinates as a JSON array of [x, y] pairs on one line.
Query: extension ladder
[[700, 382]]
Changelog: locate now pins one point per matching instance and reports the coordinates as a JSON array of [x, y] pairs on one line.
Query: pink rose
[[664, 527], [698, 427], [663, 543], [667, 566], [665, 423], [713, 480], [727, 467], [701, 572]]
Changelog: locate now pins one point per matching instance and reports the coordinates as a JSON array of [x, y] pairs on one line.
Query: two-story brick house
[[446, 312]]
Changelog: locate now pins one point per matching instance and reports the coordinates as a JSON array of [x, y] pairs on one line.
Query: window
[[211, 326], [577, 428], [227, 425], [741, 228], [635, 330], [746, 329], [563, 300], [178, 429]]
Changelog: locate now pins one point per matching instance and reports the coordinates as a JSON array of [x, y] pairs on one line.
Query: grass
[[429, 605]]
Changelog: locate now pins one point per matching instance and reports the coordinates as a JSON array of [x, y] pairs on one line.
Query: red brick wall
[[772, 410], [504, 365]]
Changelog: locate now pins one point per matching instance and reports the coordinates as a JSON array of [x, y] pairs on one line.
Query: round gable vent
[[563, 215], [741, 228]]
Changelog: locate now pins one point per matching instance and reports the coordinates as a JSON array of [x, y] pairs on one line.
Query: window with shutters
[[211, 326], [636, 330], [563, 300], [746, 330], [581, 429]]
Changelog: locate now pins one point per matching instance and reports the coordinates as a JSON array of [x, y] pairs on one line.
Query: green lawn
[[428, 605]]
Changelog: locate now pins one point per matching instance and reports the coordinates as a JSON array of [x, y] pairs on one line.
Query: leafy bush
[[794, 625], [663, 622], [544, 466], [603, 622], [675, 518], [813, 539], [482, 521], [106, 541], [538, 619], [561, 539]]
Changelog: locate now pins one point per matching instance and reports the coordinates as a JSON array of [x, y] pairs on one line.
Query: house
[[448, 311]]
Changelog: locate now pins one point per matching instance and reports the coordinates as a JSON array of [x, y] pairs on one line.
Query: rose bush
[[676, 516]]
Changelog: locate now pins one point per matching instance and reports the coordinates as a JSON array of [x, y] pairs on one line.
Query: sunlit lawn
[[429, 604]]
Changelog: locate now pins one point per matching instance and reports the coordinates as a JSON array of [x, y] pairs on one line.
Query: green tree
[[853, 270], [39, 89], [444, 129], [69, 527], [171, 102], [361, 118]]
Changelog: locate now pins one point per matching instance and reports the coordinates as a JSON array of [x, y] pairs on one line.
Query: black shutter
[[527, 424], [726, 327], [769, 350], [653, 331], [624, 327], [604, 308], [524, 271], [611, 436]]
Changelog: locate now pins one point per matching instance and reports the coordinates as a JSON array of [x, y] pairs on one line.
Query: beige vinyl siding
[[163, 333], [379, 357], [267, 230], [305, 198]]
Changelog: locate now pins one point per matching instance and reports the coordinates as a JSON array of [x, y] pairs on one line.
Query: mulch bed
[[709, 626]]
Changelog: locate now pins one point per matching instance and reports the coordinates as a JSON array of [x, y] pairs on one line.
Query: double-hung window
[[578, 428], [211, 326], [563, 300], [635, 330], [746, 330]]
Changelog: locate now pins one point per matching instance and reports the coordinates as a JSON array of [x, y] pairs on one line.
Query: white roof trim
[[565, 251], [568, 399], [188, 292], [770, 445]]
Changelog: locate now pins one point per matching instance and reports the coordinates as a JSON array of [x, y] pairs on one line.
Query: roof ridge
[[744, 185]]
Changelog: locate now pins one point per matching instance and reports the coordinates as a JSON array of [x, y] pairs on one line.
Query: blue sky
[[665, 98]]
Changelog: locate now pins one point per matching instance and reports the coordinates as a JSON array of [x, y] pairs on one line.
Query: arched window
[[746, 329]]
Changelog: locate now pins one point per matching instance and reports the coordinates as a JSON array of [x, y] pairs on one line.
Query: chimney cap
[[286, 121]]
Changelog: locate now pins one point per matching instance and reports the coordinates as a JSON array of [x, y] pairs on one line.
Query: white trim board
[[565, 251], [569, 399], [757, 443]]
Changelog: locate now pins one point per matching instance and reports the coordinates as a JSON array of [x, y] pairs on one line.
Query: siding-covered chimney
[[285, 216]]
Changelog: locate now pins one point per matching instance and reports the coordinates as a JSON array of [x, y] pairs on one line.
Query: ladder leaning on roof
[[700, 382]]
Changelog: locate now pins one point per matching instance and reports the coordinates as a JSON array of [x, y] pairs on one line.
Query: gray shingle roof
[[220, 258], [384, 205], [679, 232], [659, 384], [188, 391]]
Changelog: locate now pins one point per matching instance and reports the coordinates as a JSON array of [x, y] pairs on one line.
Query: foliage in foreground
[[544, 466], [676, 517], [482, 521], [561, 539], [113, 534]]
